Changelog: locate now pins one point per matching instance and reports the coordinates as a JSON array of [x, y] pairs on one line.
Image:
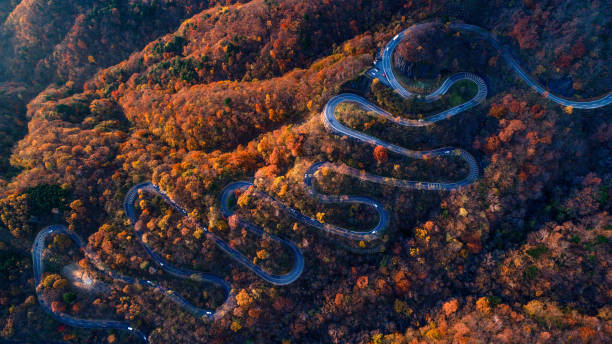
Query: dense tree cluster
[[45, 41]]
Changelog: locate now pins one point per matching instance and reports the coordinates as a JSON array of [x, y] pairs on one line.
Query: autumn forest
[[366, 212]]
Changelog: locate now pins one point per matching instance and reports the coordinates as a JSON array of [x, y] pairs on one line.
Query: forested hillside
[[98, 96]]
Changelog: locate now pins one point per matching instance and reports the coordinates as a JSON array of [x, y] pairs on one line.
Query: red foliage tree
[[380, 154]]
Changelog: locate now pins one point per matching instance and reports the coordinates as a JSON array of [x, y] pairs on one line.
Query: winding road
[[285, 279], [39, 268], [384, 72]]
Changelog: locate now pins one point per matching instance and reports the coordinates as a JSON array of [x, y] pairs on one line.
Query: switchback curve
[[284, 279], [39, 268], [389, 78]]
